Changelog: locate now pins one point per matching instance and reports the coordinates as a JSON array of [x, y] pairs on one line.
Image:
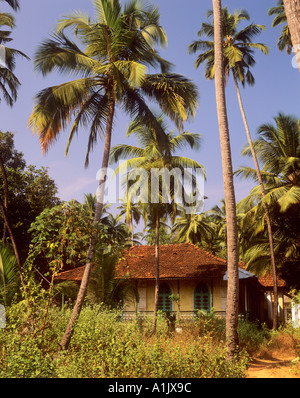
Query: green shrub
[[104, 346], [253, 335]]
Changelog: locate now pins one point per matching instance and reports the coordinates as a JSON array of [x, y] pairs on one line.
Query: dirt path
[[274, 367]]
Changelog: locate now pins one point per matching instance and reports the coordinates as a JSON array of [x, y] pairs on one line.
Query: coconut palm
[[152, 159], [278, 149], [132, 214], [13, 3], [117, 49], [9, 83], [193, 228], [238, 59], [292, 11], [284, 41], [232, 247]]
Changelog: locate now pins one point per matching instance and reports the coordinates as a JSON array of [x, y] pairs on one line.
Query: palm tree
[[9, 83], [278, 148], [13, 3], [192, 228], [292, 10], [132, 214], [238, 58], [153, 159], [232, 247], [284, 40], [118, 48]]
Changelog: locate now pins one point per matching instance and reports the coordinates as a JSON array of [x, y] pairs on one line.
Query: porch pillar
[[269, 305]]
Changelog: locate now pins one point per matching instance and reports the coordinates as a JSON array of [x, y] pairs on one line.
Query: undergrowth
[[103, 346]]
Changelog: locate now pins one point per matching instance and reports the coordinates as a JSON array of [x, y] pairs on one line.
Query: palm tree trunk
[[266, 209], [230, 204], [5, 196], [156, 276], [98, 212], [292, 11]]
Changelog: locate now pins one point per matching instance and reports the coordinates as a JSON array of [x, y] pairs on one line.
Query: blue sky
[[276, 90]]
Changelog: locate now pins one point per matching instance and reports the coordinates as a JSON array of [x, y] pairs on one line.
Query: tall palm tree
[[292, 10], [9, 83], [284, 40], [152, 158], [278, 149], [232, 246], [117, 49], [238, 48]]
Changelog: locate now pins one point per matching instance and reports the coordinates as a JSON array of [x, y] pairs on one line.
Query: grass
[[104, 347]]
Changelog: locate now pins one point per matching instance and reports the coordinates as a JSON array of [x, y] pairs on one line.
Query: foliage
[[278, 149], [9, 276], [9, 83], [165, 235], [284, 40], [117, 47], [238, 47], [30, 191], [103, 346], [295, 296], [61, 237]]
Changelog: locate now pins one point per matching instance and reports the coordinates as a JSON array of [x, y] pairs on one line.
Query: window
[[164, 301], [202, 297]]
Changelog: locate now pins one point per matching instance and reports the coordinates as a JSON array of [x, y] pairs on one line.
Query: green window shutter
[[202, 297], [164, 302]]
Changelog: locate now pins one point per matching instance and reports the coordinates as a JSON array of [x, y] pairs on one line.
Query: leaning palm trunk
[[266, 209], [292, 11], [230, 204], [98, 212], [156, 276]]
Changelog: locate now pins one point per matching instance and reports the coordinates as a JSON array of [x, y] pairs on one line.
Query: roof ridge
[[205, 251], [180, 244]]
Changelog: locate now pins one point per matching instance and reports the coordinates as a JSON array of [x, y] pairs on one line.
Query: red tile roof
[[178, 261], [183, 260], [74, 274], [267, 281]]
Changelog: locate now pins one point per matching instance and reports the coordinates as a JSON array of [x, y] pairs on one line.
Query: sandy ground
[[274, 367]]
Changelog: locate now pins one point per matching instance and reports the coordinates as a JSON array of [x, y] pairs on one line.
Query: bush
[[252, 336], [104, 346]]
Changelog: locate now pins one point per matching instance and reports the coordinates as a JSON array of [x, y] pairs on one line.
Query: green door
[[202, 297], [164, 302]]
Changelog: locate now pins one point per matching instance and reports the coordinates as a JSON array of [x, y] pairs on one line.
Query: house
[[196, 277], [191, 279], [284, 303]]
